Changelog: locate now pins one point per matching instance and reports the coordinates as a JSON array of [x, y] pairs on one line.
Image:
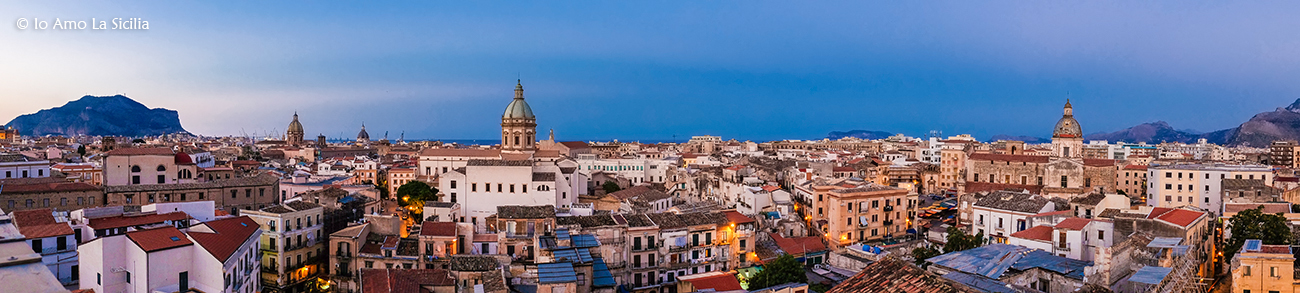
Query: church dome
[[1067, 126], [295, 127], [518, 108], [363, 135]]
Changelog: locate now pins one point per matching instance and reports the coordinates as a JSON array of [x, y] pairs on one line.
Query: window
[[1064, 181], [512, 188], [453, 197], [1101, 235], [135, 179], [1245, 271], [473, 187], [453, 184], [1272, 272], [135, 169]]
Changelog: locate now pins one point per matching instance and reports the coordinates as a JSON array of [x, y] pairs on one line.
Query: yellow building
[[851, 211], [1263, 268]]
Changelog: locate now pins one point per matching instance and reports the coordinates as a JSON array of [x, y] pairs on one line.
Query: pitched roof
[[1180, 217], [799, 245], [1008, 158], [431, 228], [718, 281], [128, 221], [525, 212], [574, 145], [158, 239], [141, 152], [1040, 233], [630, 192], [1013, 201], [229, 234], [36, 224], [737, 217], [476, 263], [892, 275], [1073, 223], [404, 280], [1091, 199]]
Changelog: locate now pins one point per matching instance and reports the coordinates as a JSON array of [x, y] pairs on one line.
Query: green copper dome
[[518, 108]]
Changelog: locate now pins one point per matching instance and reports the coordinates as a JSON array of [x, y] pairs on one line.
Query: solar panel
[[174, 238]]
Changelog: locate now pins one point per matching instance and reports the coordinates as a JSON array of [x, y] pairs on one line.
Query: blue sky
[[758, 70]]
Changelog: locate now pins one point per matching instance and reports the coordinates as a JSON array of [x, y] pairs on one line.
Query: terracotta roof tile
[[1073, 223], [158, 238], [1181, 217], [230, 234], [430, 228], [737, 217], [128, 221], [1041, 233], [719, 282], [404, 280]]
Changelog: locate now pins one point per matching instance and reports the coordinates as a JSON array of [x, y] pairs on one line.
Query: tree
[[412, 195], [137, 140], [81, 150], [1255, 224], [785, 269], [958, 240], [611, 187], [920, 254]]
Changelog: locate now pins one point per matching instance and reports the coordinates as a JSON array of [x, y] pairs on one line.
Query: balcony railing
[[674, 248], [889, 208], [888, 222]]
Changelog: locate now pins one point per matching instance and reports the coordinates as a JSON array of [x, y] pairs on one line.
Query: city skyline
[[773, 71]]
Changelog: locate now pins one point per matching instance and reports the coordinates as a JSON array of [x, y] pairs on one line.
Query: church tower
[[1067, 137], [518, 125], [294, 135]]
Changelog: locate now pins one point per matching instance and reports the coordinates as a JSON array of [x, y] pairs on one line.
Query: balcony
[[271, 269], [343, 256], [644, 248], [889, 208], [888, 222], [270, 248], [674, 248]]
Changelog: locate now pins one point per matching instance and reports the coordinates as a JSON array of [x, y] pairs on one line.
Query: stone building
[[61, 196], [231, 195], [1066, 173]]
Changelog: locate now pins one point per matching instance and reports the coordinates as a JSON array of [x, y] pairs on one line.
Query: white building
[[21, 269], [1198, 185], [480, 180], [19, 166], [217, 256], [1002, 213], [53, 239]]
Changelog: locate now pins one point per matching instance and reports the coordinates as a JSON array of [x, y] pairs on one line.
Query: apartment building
[[851, 211], [1197, 185], [215, 256], [292, 252]]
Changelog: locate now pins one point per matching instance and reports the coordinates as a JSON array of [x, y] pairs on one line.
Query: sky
[[630, 70]]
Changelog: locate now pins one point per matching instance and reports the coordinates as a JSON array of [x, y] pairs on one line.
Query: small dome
[[295, 127], [363, 135], [1067, 126], [518, 108]]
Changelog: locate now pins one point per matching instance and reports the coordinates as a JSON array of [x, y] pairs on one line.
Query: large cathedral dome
[[518, 108], [295, 127], [1067, 126]]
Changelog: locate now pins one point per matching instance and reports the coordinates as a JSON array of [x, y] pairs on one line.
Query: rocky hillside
[[1264, 128], [91, 115], [1154, 132]]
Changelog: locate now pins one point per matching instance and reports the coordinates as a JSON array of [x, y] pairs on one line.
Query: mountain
[[92, 115], [1154, 132], [1264, 128], [1024, 138], [862, 134]]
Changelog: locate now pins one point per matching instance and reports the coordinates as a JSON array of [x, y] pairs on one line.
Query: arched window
[[161, 168], [135, 169]]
